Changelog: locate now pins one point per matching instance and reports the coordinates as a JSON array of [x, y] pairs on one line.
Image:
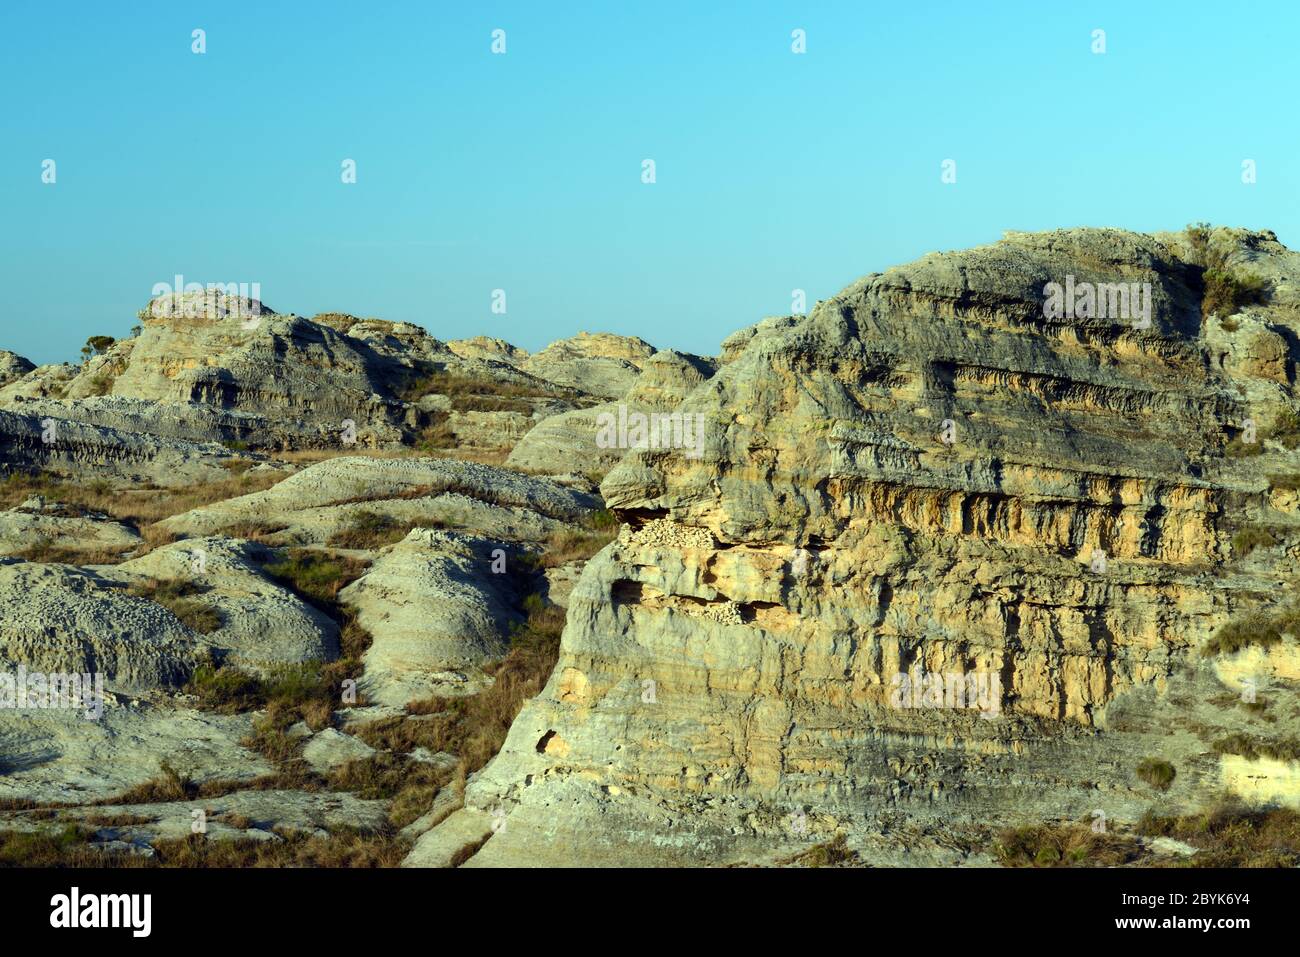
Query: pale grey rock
[[234, 353], [460, 832], [62, 756], [60, 619], [13, 367], [314, 813], [485, 347], [21, 529], [262, 623], [560, 581], [447, 801], [739, 341], [67, 447], [328, 749], [317, 502], [667, 378], [48, 381], [558, 443], [188, 421], [828, 539], [442, 760], [434, 607], [601, 364]]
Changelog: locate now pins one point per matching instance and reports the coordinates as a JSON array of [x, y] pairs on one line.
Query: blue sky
[[522, 171]]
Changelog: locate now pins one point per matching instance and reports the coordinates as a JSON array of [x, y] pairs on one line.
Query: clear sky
[[523, 171]]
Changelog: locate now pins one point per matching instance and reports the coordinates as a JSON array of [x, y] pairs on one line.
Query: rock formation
[[927, 475], [1001, 537]]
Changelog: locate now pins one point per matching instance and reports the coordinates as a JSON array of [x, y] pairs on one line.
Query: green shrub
[[1062, 845], [226, 689], [1286, 429], [174, 595], [1158, 773], [315, 575], [1228, 291], [1258, 628], [1252, 749], [1251, 537], [370, 530], [1237, 449], [832, 853], [1232, 835]]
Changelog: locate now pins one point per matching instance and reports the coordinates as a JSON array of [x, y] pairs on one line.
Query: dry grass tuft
[[1063, 845]]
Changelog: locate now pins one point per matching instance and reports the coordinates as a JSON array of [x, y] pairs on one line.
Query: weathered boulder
[[13, 367], [61, 755], [437, 606], [66, 620], [601, 364], [559, 442], [261, 622], [329, 749], [36, 524], [485, 347]]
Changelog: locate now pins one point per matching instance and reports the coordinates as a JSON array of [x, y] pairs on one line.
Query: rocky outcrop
[[438, 606], [601, 364], [49, 381], [57, 619], [61, 755], [485, 347], [188, 422], [13, 367], [261, 623], [40, 524], [927, 475], [320, 501], [307, 377], [559, 442], [65, 446]]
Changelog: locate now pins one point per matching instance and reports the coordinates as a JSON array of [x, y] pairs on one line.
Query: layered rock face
[[603, 364], [930, 474], [69, 446], [559, 441]]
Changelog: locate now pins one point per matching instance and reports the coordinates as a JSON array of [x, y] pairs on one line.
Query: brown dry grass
[[1063, 845], [45, 550], [139, 507], [571, 545], [71, 847], [468, 395], [1232, 835], [832, 853]]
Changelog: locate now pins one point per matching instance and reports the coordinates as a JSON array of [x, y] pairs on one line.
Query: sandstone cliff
[[929, 474]]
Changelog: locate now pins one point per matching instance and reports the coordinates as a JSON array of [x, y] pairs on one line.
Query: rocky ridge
[[1087, 518]]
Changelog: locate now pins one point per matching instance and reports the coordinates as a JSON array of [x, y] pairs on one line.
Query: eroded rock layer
[[928, 474]]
